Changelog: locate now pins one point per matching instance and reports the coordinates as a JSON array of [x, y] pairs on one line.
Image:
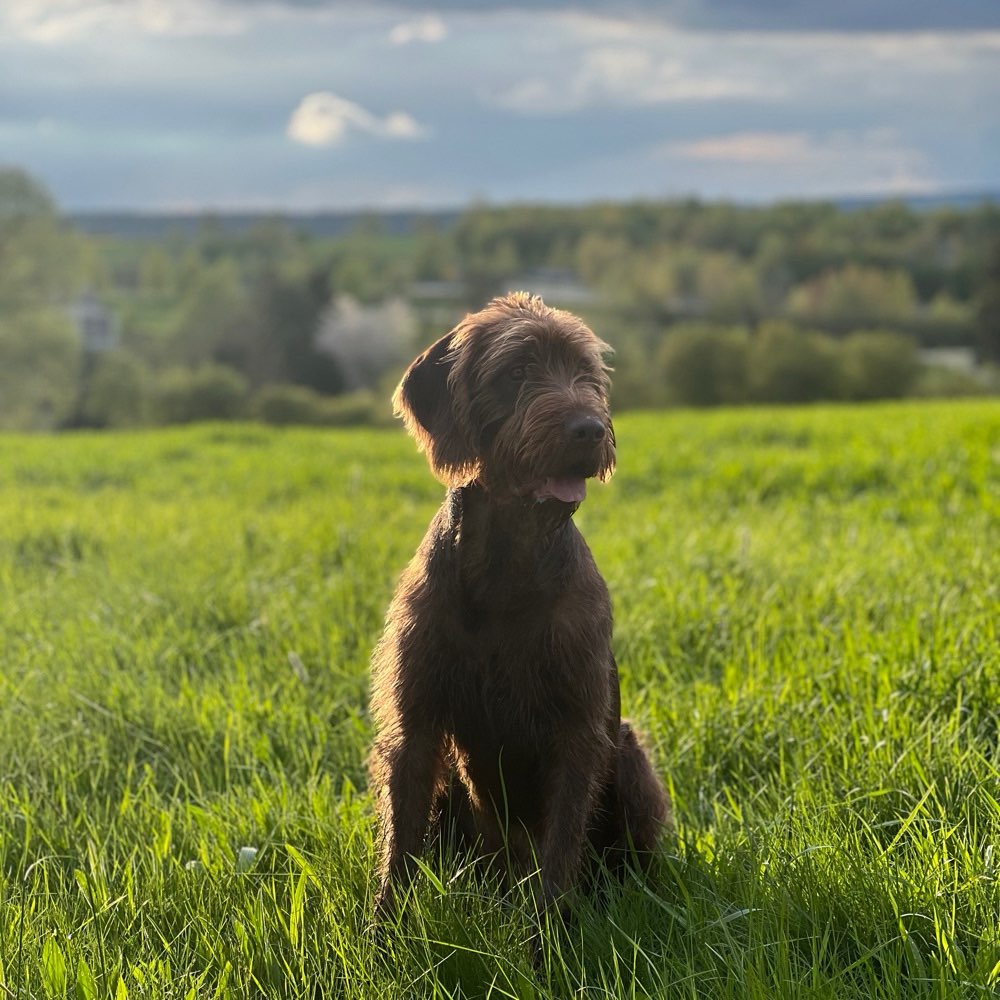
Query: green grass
[[806, 621]]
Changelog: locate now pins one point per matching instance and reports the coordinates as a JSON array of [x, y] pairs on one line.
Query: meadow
[[807, 605]]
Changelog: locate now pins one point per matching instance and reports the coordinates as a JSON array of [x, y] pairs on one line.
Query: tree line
[[705, 304]]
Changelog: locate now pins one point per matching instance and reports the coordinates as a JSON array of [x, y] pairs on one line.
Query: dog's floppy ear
[[425, 401]]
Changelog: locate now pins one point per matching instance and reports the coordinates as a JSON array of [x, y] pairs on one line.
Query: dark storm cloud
[[764, 15]]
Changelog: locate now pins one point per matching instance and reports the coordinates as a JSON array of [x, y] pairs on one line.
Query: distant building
[[437, 291], [557, 286], [956, 359], [442, 303], [96, 323], [437, 304]]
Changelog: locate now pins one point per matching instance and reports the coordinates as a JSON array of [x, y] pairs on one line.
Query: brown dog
[[495, 692]]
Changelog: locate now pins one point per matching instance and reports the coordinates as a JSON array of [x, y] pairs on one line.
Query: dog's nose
[[585, 429]]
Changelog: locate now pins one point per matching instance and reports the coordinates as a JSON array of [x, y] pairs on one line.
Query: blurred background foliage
[[121, 321]]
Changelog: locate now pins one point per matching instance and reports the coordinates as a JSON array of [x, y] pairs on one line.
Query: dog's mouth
[[565, 489], [569, 486]]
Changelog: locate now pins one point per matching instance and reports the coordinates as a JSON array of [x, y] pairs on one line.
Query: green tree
[[157, 273], [41, 269], [39, 369], [41, 259], [600, 258], [854, 294], [117, 392], [787, 365], [21, 196], [773, 273], [434, 259], [948, 311], [272, 245], [705, 365], [211, 392], [281, 343], [878, 364], [988, 308], [214, 307], [728, 289]]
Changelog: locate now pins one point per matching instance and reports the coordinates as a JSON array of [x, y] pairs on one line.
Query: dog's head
[[516, 398]]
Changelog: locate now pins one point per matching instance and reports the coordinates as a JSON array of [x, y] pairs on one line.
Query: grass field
[[807, 607]]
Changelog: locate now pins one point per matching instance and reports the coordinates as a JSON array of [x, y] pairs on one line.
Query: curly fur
[[495, 691]]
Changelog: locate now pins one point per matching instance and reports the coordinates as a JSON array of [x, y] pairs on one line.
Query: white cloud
[[324, 119], [400, 125], [604, 61], [747, 147], [425, 29], [57, 22], [146, 101], [634, 73], [867, 161]]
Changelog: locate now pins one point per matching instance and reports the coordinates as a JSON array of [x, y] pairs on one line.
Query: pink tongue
[[568, 489]]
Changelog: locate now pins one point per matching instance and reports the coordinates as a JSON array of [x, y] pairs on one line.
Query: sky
[[302, 105]]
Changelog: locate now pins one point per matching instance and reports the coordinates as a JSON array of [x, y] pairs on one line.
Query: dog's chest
[[515, 683], [503, 715]]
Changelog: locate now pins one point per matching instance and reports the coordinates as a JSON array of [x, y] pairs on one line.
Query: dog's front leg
[[572, 791], [407, 770]]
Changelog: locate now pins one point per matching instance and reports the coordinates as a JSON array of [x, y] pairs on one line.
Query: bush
[[878, 365], [631, 385], [352, 408], [39, 370], [288, 404], [296, 404], [117, 392], [786, 365], [705, 365], [211, 392], [853, 294], [935, 381]]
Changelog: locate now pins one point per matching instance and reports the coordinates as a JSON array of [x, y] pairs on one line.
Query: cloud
[[57, 22], [324, 119], [635, 73], [867, 161], [822, 15], [425, 29], [524, 104], [748, 147], [605, 62], [751, 15]]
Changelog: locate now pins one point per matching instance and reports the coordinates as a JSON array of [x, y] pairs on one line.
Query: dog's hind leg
[[637, 807]]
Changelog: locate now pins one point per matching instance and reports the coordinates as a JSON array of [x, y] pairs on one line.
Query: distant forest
[[120, 320]]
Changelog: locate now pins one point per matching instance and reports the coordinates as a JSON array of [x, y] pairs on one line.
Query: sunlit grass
[[806, 621]]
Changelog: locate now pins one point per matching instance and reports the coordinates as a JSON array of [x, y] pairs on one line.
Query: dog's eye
[[518, 373]]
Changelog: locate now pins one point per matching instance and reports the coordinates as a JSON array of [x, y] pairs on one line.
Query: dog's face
[[515, 397]]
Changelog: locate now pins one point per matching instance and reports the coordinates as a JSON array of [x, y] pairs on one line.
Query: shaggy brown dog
[[495, 692]]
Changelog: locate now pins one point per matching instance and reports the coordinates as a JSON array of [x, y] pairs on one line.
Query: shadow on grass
[[730, 925]]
